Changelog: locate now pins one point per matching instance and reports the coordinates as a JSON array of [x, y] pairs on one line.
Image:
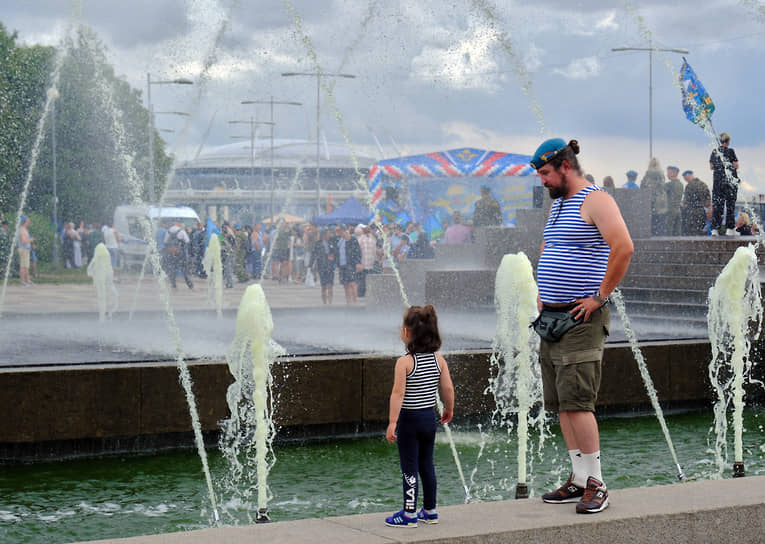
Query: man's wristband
[[600, 301]]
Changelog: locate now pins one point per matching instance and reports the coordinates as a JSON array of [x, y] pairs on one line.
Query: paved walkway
[[729, 511], [81, 297]]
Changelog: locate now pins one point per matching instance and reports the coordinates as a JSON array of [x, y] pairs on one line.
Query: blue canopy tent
[[439, 184], [351, 212]]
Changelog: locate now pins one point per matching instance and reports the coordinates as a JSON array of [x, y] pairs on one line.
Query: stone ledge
[[730, 511]]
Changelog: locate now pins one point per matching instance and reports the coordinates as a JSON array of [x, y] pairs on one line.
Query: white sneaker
[[714, 233], [732, 232]]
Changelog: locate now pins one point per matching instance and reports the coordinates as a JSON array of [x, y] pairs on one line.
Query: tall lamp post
[[272, 102], [650, 50], [149, 83], [253, 123], [54, 95], [318, 74]]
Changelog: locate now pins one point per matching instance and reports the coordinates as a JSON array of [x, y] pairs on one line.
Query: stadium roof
[[287, 154]]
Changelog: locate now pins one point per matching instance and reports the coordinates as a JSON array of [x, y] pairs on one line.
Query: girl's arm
[[447, 390], [404, 366]]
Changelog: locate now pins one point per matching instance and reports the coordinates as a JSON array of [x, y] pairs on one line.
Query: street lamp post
[[318, 74], [54, 95], [252, 122], [650, 50], [149, 83], [272, 102]]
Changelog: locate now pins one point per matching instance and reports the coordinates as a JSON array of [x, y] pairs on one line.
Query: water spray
[[456, 455], [618, 300], [734, 305], [247, 436], [517, 386]]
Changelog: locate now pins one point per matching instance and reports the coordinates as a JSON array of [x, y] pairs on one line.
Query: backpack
[[173, 243]]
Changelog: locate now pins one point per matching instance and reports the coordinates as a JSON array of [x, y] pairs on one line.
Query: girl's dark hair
[[422, 323], [569, 154]]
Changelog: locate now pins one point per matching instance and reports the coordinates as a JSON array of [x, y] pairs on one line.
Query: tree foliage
[[101, 130]]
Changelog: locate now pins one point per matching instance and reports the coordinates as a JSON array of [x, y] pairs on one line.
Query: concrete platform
[[730, 511]]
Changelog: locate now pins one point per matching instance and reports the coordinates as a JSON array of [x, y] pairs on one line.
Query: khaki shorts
[[24, 257], [571, 367]]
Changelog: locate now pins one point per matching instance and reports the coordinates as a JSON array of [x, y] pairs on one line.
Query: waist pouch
[[552, 325]]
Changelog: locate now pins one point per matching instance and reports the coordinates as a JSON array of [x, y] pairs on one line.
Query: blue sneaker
[[422, 515], [400, 519]]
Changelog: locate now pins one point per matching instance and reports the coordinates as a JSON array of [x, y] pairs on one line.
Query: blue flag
[[433, 227], [210, 229], [697, 103]]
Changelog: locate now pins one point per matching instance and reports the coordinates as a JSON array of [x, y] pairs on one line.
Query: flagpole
[[650, 50]]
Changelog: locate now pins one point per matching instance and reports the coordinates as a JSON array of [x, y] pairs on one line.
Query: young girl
[[412, 419]]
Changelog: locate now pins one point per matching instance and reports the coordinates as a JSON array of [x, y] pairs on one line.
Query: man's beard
[[561, 190]]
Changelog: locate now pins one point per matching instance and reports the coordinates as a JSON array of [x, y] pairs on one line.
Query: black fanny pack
[[551, 325]]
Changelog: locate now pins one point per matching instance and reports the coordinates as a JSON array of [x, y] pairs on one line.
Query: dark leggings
[[416, 433]]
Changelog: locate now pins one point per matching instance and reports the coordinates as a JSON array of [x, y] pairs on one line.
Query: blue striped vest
[[575, 256]]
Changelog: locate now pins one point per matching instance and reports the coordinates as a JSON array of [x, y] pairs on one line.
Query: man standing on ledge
[[585, 253]]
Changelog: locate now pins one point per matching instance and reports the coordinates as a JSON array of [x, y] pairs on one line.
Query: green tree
[[101, 130]]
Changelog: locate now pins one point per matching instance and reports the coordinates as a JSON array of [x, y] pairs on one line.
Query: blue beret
[[688, 172], [631, 174], [675, 168], [23, 219], [485, 188], [546, 152]]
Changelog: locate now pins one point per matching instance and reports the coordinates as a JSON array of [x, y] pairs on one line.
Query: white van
[[129, 222]]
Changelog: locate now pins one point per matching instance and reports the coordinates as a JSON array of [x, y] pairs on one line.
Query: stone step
[[675, 269], [658, 294], [668, 282], [666, 310], [720, 258], [701, 244]]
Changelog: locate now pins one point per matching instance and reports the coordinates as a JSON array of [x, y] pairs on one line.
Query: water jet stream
[[735, 308], [618, 300], [517, 385]]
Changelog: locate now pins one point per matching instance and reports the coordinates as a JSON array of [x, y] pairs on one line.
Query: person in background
[[348, 259], [198, 249], [457, 233], [256, 256], [653, 180], [176, 242], [280, 255], [695, 202], [743, 225], [412, 417], [24, 249], [487, 211], [608, 185], [631, 178], [674, 189], [368, 245], [112, 243], [323, 258], [724, 165], [95, 237]]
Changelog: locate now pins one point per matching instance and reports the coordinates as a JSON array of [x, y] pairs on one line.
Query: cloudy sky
[[434, 74]]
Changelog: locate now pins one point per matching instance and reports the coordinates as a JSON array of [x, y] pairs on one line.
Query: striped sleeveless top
[[575, 256], [422, 382]]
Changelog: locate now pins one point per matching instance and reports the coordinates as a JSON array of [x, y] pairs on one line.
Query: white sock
[[591, 463], [431, 512], [577, 467]]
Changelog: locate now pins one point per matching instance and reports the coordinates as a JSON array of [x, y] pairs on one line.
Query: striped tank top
[[575, 256], [422, 382]]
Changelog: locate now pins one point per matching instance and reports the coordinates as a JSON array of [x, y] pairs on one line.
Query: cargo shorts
[[571, 367]]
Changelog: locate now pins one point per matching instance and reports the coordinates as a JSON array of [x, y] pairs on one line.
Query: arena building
[[237, 183]]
